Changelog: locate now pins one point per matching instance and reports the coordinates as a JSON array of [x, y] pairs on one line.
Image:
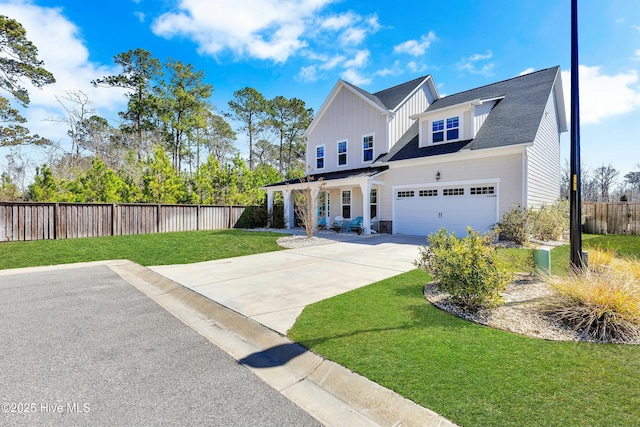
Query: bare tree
[[306, 204], [604, 178]]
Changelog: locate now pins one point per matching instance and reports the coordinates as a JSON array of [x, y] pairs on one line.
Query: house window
[[342, 153], [452, 128], [453, 192], [438, 130], [320, 157], [373, 200], [405, 194], [428, 193], [346, 204], [483, 190], [367, 148]]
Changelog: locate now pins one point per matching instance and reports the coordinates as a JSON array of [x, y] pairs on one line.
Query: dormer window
[[452, 130], [438, 131]]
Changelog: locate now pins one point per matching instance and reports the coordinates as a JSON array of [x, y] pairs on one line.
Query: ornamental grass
[[601, 302]]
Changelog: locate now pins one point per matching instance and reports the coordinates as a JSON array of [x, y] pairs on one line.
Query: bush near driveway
[[467, 268]]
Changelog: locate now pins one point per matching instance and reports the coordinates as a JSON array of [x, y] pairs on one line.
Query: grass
[[621, 244], [145, 249], [471, 374]]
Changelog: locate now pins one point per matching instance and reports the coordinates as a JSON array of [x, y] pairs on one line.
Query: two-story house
[[411, 162]]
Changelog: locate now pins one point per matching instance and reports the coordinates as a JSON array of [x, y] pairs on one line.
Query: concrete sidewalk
[[273, 288]]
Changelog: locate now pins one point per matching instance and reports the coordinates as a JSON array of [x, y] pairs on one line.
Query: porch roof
[[330, 176]]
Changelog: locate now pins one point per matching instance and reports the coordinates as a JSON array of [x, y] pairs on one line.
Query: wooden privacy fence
[[612, 218], [42, 221]]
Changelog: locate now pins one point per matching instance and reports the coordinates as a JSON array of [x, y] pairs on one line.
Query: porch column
[[269, 208], [315, 191], [365, 187], [288, 208]]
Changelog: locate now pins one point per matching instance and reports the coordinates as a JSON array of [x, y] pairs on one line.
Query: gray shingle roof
[[513, 120], [393, 96], [389, 99], [351, 173]]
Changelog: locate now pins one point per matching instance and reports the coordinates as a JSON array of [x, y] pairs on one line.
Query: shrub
[[603, 301], [544, 223], [514, 226], [466, 268], [549, 221]]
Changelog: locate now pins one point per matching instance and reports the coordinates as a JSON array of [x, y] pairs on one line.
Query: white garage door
[[422, 211]]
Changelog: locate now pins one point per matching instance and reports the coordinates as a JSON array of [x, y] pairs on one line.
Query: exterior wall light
[[438, 176]]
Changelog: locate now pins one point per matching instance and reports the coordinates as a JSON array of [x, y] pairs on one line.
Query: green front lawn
[[145, 249], [624, 245], [471, 374]]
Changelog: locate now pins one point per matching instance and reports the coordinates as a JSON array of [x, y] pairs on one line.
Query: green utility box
[[542, 260]]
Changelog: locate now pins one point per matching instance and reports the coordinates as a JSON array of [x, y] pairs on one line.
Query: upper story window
[[342, 153], [438, 130], [367, 148], [320, 157], [453, 126], [452, 129]]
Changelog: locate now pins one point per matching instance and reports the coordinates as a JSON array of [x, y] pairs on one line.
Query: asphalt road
[[83, 347]]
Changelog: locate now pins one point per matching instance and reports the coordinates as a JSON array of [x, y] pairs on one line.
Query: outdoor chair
[[354, 225], [338, 224]]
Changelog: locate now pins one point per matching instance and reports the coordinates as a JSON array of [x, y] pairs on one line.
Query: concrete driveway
[[273, 288]]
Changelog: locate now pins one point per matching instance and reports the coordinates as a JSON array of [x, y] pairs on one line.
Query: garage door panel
[[424, 215]]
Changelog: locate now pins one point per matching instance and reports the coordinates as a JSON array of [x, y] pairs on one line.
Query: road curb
[[329, 392]]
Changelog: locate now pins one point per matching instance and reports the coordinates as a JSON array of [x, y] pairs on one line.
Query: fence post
[[56, 221], [158, 220]]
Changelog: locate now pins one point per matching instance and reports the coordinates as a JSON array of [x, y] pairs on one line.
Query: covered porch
[[349, 194]]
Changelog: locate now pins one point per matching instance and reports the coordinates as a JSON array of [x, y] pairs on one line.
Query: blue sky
[[300, 48]]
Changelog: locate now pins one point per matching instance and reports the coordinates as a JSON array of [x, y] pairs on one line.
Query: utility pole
[[575, 199]]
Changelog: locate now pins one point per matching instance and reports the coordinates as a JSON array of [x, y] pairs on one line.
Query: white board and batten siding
[[543, 159], [347, 118], [419, 101]]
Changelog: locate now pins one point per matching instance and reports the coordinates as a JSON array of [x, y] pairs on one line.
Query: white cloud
[[414, 67], [637, 54], [478, 56], [395, 70], [637, 27], [360, 60], [308, 74], [353, 36], [267, 29], [470, 64], [141, 16], [332, 63], [601, 95], [60, 46], [527, 71], [338, 22], [415, 47], [354, 77]]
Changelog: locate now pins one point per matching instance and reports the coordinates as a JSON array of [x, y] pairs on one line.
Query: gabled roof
[[385, 100], [520, 105], [329, 176]]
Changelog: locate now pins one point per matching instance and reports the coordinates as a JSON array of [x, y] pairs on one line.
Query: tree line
[[603, 184], [170, 145]]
